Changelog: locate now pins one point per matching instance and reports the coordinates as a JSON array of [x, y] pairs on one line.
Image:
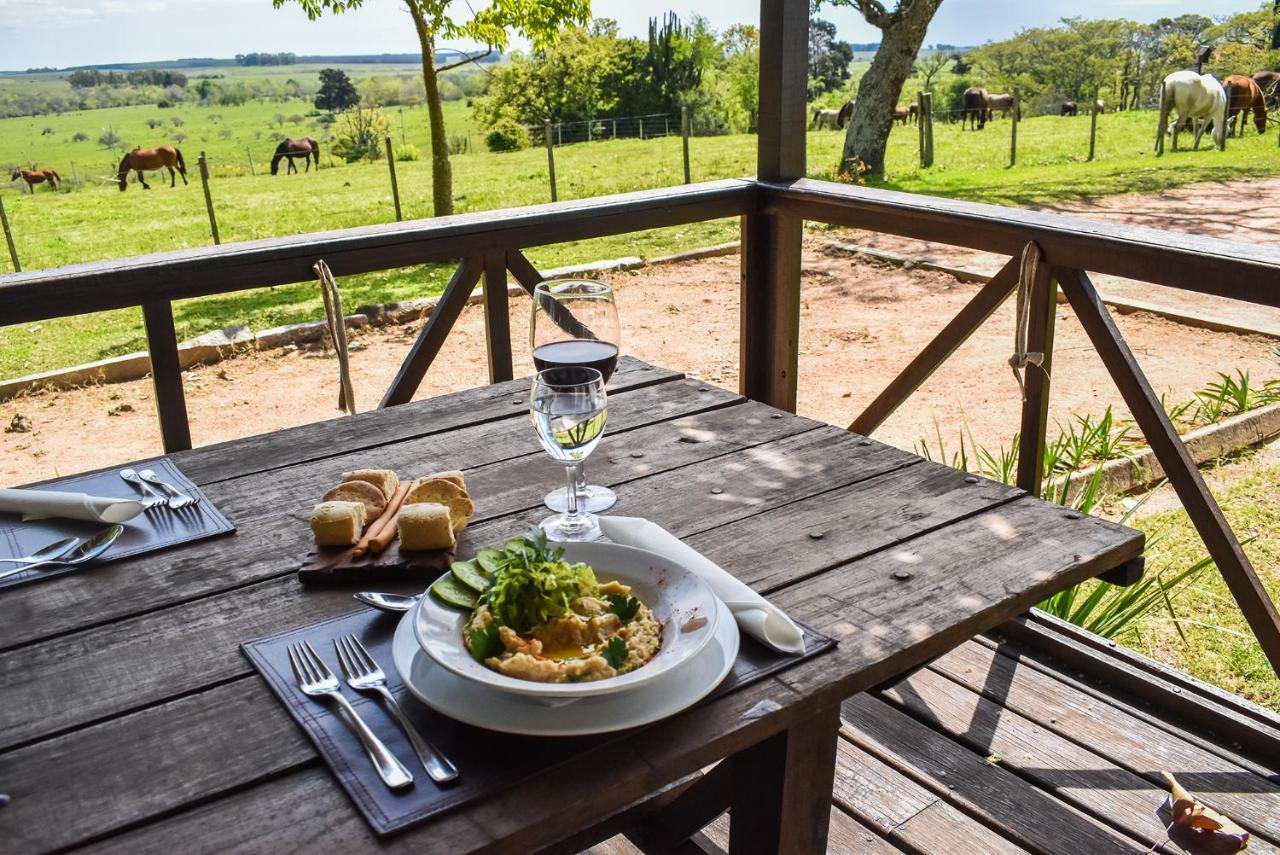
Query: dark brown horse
[[1243, 95], [36, 176], [305, 148], [901, 114], [1269, 83], [845, 114], [974, 107], [913, 111], [1069, 108], [160, 157]]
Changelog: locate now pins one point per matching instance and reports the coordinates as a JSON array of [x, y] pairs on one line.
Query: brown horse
[[900, 114], [1002, 103], [845, 114], [974, 107], [1243, 95], [36, 176], [913, 112], [160, 157], [1269, 83], [305, 148]]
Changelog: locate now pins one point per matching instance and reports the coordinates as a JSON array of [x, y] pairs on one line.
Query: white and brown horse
[[1198, 99], [36, 176], [821, 119], [160, 157]]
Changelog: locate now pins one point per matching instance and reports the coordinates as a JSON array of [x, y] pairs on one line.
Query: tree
[[903, 31], [931, 66], [539, 21], [829, 58], [337, 92]]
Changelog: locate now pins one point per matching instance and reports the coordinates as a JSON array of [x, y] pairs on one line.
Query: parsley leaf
[[485, 642], [615, 652], [624, 607]]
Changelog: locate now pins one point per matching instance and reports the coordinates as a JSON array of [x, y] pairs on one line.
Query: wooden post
[[166, 373], [551, 156], [1035, 381], [615, 129], [208, 200], [666, 126], [641, 121], [589, 122], [395, 187], [1013, 132], [559, 133], [497, 317], [920, 125], [926, 112], [770, 301], [249, 156], [684, 133], [8, 238], [1093, 124]]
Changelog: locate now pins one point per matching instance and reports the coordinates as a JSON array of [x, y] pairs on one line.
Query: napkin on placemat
[[756, 616], [43, 504]]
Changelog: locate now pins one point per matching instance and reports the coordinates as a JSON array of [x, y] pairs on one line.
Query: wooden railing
[[490, 245]]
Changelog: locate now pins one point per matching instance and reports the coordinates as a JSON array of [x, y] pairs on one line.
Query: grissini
[[385, 522]]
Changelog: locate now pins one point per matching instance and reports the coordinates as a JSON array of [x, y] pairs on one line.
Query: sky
[[58, 33]]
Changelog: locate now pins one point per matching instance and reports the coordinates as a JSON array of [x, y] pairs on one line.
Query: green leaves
[[485, 643], [615, 652], [624, 607], [532, 583]]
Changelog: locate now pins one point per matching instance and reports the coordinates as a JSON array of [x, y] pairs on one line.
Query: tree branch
[[475, 58], [874, 12]]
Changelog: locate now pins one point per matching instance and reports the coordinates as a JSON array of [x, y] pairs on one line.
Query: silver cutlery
[[82, 552], [387, 602], [364, 675], [315, 679], [57, 549], [177, 498], [154, 498]]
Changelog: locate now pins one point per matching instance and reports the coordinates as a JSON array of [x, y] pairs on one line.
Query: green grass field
[[96, 221]]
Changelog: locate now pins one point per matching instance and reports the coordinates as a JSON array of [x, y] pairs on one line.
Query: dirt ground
[[861, 323]]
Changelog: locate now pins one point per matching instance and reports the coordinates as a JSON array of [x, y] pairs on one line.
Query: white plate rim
[[625, 683], [727, 641]]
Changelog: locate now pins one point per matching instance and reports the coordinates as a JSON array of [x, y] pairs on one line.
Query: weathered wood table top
[[131, 722]]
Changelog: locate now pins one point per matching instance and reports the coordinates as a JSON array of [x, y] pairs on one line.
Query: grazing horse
[[160, 157], [846, 113], [1003, 103], [901, 114], [306, 148], [821, 119], [1196, 97], [974, 107], [1269, 83], [1243, 95], [913, 112], [1069, 108], [36, 176]]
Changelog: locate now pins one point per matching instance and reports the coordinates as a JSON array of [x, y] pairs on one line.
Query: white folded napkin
[[41, 504], [756, 616]]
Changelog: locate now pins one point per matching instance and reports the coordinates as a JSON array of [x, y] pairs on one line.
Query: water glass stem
[[574, 473]]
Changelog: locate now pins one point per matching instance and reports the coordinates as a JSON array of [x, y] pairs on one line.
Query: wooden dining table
[[131, 722]]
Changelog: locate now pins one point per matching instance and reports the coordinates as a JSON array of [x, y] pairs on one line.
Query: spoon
[[85, 552], [57, 549], [388, 602]]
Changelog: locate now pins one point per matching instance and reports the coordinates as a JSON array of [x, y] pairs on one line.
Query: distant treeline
[[266, 58], [145, 77], [310, 59]]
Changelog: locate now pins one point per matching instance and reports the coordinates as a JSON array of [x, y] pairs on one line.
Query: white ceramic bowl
[[675, 595]]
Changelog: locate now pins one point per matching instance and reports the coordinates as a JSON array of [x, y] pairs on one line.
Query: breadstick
[[383, 538], [381, 523]]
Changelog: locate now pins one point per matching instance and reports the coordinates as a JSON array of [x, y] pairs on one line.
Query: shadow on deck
[[1039, 739]]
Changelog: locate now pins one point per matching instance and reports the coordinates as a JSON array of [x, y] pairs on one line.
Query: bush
[[164, 104], [507, 138], [407, 152], [176, 121], [359, 134], [458, 144], [79, 136], [179, 136]]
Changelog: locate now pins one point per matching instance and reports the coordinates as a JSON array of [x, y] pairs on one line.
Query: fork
[[364, 675], [177, 498], [315, 679], [153, 497]]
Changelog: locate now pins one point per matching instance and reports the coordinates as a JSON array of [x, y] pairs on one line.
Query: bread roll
[[453, 475], [337, 523], [384, 479], [425, 525], [446, 493], [363, 492]]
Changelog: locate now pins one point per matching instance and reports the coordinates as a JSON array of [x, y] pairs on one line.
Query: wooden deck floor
[[1001, 747]]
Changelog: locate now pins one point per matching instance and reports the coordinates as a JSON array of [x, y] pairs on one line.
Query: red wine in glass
[[587, 353]]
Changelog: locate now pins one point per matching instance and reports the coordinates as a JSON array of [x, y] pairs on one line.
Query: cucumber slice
[[488, 560], [448, 590], [517, 544], [470, 575]]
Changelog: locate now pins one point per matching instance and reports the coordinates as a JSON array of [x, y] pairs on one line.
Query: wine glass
[[569, 408], [575, 322]]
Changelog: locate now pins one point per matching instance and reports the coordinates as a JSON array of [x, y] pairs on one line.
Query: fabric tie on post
[[1031, 260], [337, 334]]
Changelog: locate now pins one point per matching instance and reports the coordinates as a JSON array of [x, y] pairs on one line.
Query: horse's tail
[[182, 164], [315, 151], [1166, 103]]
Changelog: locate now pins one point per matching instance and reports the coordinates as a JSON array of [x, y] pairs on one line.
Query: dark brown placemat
[[333, 565], [159, 528], [487, 761]]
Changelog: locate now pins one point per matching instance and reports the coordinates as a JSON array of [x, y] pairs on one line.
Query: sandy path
[[860, 324]]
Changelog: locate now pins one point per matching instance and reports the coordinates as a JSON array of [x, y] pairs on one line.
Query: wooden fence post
[[589, 123], [684, 133], [208, 200], [8, 238], [559, 133], [395, 188], [249, 156], [641, 121], [1093, 124], [920, 125], [166, 373], [1013, 133], [551, 156], [1042, 311], [615, 129], [926, 113]]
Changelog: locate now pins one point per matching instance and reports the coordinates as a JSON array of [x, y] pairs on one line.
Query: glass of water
[[569, 409]]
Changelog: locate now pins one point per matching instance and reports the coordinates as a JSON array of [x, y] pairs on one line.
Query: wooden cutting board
[[332, 565]]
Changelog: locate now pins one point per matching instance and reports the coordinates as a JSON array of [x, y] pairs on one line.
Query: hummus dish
[[540, 618]]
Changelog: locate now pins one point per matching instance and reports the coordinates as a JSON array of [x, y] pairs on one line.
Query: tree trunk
[[879, 90], [441, 168]]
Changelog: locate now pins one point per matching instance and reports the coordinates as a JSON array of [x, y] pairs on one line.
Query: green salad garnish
[[615, 652], [625, 608], [532, 584], [485, 642]]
